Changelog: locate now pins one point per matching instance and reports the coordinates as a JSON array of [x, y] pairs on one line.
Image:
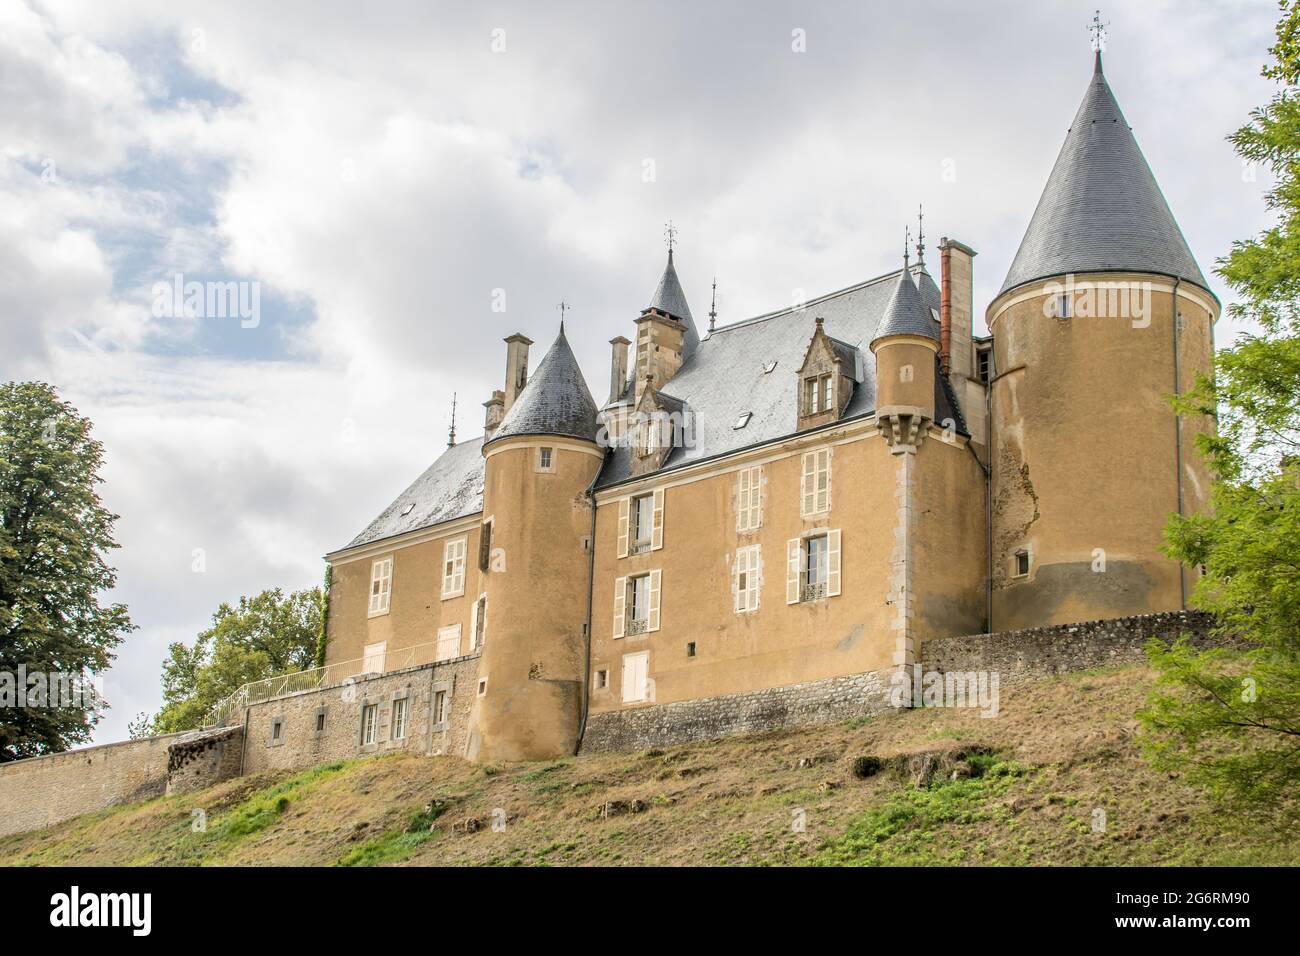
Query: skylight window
[[768, 367], [408, 509], [743, 419]]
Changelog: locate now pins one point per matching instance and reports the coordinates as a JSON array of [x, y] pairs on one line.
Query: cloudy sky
[[381, 175]]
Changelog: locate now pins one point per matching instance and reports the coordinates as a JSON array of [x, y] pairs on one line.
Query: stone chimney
[[516, 368], [956, 277], [617, 367], [495, 412]]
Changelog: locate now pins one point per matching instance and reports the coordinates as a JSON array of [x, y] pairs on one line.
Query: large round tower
[[1104, 313], [541, 460]]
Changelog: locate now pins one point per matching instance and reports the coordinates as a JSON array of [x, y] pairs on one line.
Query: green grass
[[397, 845]]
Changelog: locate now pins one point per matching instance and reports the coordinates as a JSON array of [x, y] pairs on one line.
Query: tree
[[1231, 718], [54, 538], [263, 636]]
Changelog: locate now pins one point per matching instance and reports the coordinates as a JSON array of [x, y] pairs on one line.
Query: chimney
[[495, 412], [956, 307], [516, 368], [617, 367]]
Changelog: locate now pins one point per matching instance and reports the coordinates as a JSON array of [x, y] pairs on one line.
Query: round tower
[[540, 462], [905, 346], [1104, 313]]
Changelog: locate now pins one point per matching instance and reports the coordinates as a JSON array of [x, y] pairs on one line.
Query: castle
[[809, 494]]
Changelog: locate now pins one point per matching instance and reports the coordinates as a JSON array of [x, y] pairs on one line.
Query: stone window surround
[[447, 687], [275, 735]]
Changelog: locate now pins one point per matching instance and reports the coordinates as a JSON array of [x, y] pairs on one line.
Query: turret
[[540, 461], [665, 332], [905, 345], [1103, 314]]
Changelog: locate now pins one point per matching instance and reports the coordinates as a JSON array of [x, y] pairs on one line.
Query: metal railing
[[317, 677]]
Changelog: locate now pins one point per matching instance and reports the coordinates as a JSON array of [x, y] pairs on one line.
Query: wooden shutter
[[652, 618], [743, 492], [738, 592], [623, 526], [808, 485], [832, 563], [823, 481], [620, 598], [657, 521], [794, 561], [756, 498]]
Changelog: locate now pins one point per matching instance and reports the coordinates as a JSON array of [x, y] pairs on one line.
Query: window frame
[[400, 719], [369, 734], [815, 500], [381, 575], [454, 554], [746, 597], [545, 462]]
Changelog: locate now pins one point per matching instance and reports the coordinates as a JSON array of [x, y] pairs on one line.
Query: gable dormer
[[827, 378], [658, 425]]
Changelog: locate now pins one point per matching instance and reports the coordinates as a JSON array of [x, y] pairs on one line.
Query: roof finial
[[920, 235], [907, 242], [451, 432], [563, 307], [1098, 31], [670, 237], [713, 306]]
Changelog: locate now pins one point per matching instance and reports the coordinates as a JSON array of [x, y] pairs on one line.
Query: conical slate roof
[[670, 298], [906, 314], [554, 402], [1101, 210]]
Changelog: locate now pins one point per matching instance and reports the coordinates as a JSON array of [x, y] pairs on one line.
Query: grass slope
[[1021, 788]]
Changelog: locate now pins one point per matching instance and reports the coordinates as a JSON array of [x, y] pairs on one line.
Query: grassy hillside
[[915, 787]]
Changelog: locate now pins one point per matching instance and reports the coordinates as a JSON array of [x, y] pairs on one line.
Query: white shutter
[[832, 563], [373, 658], [636, 671], [652, 618], [807, 485], [620, 599], [657, 521], [756, 498], [622, 526], [743, 492], [453, 568], [448, 642], [794, 561], [738, 589], [823, 481], [381, 585]]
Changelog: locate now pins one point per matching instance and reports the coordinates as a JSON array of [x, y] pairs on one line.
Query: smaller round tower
[[905, 348], [541, 461]]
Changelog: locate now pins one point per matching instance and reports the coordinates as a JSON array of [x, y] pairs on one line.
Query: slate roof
[[1101, 210], [669, 298], [554, 402], [725, 377], [452, 487], [906, 313]]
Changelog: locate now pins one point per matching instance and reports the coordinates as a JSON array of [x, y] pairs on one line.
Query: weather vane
[[670, 235], [907, 243], [920, 234], [1098, 31], [451, 432], [563, 307], [713, 306]]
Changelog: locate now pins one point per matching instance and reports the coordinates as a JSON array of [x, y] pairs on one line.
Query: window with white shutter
[[381, 586], [815, 486], [453, 568], [372, 658], [620, 606], [448, 645], [749, 499], [813, 567], [624, 525], [832, 563], [636, 674], [657, 521], [747, 584], [652, 617], [642, 523], [793, 570]]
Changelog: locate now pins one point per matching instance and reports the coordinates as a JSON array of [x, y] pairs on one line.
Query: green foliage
[[397, 845], [54, 538], [1249, 544], [263, 636], [322, 635]]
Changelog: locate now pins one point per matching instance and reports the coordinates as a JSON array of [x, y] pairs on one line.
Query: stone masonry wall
[[319, 726], [1015, 655], [203, 758], [41, 791]]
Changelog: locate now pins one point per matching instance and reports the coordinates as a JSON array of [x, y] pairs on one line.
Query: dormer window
[[818, 394]]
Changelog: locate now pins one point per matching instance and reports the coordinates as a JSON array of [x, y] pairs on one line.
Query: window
[[485, 545], [641, 524], [440, 707], [399, 719], [815, 488], [813, 567], [408, 509], [1062, 306], [372, 658], [381, 586], [1022, 563], [747, 579], [320, 721], [546, 459], [818, 394], [453, 568], [983, 364], [482, 686], [749, 499], [277, 728], [369, 724], [602, 679], [636, 604], [742, 420], [690, 649], [480, 623], [769, 367], [636, 677], [448, 645]]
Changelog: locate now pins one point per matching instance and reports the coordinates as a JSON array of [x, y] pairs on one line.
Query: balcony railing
[[637, 626], [317, 677], [812, 592]]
